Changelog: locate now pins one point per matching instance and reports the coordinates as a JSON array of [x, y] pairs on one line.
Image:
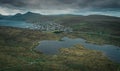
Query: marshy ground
[[17, 54]]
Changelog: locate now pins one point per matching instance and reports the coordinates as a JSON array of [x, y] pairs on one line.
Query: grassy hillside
[[93, 23], [17, 54], [17, 45]]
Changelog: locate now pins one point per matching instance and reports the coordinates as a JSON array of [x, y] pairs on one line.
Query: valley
[[18, 42]]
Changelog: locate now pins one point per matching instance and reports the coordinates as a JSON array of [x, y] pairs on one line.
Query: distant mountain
[[33, 17], [22, 17], [90, 23], [25, 17], [31, 13], [101, 17], [4, 17], [1, 16]]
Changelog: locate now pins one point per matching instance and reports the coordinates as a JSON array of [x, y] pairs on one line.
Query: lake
[[18, 24], [52, 47]]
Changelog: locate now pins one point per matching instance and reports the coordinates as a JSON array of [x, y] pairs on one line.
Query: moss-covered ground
[[17, 54]]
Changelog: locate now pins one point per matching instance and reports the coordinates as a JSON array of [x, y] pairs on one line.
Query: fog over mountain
[[53, 7]]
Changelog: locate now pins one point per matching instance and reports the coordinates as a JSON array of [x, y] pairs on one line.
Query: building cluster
[[51, 26]]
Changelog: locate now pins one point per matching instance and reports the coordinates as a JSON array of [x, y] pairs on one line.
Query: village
[[50, 27]]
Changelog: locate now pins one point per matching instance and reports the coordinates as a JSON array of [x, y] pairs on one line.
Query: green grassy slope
[[93, 23], [17, 54]]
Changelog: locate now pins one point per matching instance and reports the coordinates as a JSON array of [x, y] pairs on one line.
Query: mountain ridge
[[32, 13], [66, 18]]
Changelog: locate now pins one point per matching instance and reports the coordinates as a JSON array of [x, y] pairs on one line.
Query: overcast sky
[[52, 7]]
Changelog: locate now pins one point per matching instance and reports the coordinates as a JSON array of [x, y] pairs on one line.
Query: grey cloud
[[16, 3], [68, 1], [66, 6], [48, 4], [62, 4], [99, 3]]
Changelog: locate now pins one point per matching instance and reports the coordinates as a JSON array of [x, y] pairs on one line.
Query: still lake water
[[52, 47], [18, 24]]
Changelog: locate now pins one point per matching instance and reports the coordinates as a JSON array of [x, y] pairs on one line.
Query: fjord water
[[18, 24], [52, 47]]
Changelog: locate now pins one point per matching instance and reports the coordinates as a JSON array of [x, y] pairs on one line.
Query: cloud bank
[[48, 7]]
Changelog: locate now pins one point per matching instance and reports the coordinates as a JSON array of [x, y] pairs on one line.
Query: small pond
[[52, 47]]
